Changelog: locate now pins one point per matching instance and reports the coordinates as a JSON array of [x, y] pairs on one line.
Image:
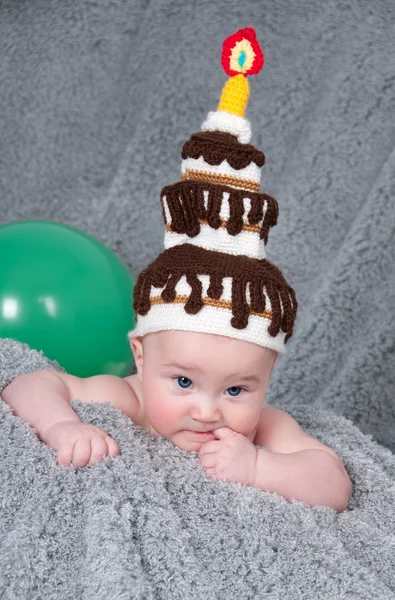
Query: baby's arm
[[291, 463], [297, 466], [43, 400]]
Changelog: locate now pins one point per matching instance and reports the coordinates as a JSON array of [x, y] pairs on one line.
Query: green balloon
[[67, 294]]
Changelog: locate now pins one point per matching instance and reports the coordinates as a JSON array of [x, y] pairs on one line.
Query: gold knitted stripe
[[267, 314], [246, 226], [221, 179]]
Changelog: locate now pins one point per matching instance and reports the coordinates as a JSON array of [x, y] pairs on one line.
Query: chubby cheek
[[243, 419], [162, 411]]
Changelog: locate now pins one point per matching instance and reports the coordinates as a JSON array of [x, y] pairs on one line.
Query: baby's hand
[[79, 444], [232, 457]]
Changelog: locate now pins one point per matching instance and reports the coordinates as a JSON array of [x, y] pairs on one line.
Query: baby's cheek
[[244, 419], [163, 412], [162, 415]]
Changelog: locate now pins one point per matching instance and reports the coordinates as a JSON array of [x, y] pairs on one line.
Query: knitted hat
[[213, 276]]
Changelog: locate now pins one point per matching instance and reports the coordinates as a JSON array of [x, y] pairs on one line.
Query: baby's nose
[[205, 410]]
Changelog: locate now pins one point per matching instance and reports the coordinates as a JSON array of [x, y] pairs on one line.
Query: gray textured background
[[97, 99]]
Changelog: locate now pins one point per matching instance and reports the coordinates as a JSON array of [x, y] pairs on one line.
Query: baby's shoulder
[[134, 382], [135, 386], [277, 431], [121, 393]]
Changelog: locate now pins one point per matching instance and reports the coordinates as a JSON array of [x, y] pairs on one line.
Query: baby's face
[[196, 382]]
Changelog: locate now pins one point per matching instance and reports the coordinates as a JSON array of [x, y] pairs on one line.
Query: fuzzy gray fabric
[[97, 100], [150, 525], [19, 359]]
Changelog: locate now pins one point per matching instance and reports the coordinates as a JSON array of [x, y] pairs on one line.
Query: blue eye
[[184, 382], [234, 391]]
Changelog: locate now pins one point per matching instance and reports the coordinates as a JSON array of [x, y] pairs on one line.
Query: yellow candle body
[[234, 97]]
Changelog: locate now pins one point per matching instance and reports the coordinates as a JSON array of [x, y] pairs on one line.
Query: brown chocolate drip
[[197, 198], [169, 293], [273, 294], [159, 279], [286, 321], [175, 206], [271, 217], [214, 207], [217, 146], [240, 309], [258, 301], [185, 200], [294, 311], [215, 289], [195, 302], [138, 288], [191, 261], [192, 224], [145, 304], [236, 206], [256, 211]]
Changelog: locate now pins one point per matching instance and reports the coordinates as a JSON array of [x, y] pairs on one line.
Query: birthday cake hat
[[213, 276]]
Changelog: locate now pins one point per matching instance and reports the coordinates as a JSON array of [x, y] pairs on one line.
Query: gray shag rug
[[149, 524], [97, 99]]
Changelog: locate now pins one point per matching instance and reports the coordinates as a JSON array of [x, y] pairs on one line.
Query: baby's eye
[[235, 390], [184, 382]]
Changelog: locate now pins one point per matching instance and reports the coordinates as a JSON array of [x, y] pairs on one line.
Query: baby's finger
[[209, 447], [224, 432], [64, 455], [208, 460], [211, 472], [81, 453], [98, 449], [113, 449]]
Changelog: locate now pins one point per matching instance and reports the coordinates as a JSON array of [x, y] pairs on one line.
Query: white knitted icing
[[251, 173], [221, 120], [210, 319], [184, 289], [168, 317], [246, 242]]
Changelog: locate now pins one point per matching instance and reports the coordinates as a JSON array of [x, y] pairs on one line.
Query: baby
[[203, 392], [212, 313]]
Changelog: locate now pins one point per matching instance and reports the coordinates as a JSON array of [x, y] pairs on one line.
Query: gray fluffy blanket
[[97, 99], [150, 525]]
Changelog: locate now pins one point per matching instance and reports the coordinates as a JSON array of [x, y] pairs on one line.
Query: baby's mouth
[[209, 432]]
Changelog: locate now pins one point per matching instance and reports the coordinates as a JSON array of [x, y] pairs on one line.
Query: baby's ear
[[136, 345]]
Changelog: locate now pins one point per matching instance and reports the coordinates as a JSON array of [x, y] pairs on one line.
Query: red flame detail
[[230, 42]]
